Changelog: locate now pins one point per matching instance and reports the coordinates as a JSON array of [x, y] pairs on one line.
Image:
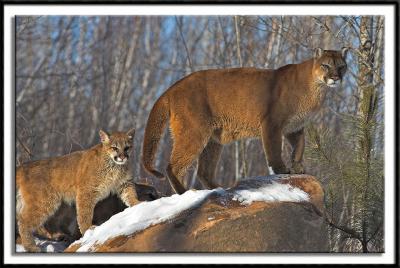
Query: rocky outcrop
[[226, 222]]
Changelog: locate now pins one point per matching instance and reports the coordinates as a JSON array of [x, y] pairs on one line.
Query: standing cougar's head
[[118, 145], [330, 66]]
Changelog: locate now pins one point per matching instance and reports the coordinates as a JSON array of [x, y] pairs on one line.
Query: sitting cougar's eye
[[325, 66]]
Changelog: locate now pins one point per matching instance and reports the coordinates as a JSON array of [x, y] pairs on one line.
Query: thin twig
[[184, 44], [25, 147], [342, 228]]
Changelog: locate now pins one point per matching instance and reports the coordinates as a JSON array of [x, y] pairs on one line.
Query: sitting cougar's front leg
[[85, 203], [127, 193]]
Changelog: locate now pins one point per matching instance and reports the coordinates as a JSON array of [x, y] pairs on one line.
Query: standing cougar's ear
[[131, 133], [344, 52], [318, 52], [104, 137]]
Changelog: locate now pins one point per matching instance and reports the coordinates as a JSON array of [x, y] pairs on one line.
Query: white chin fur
[[119, 161], [333, 83]]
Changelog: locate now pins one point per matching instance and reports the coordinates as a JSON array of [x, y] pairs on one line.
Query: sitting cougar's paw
[[59, 237], [33, 249], [92, 227], [297, 168]]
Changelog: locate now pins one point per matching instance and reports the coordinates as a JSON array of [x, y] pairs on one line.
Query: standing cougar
[[210, 108], [84, 177]]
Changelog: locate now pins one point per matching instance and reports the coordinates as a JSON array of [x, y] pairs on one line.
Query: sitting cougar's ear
[[318, 52], [104, 137], [344, 52], [131, 133]]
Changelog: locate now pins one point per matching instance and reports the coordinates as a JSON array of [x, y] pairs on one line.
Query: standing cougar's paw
[[281, 170], [297, 168]]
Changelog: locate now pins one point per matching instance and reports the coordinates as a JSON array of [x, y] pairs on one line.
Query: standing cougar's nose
[[335, 77]]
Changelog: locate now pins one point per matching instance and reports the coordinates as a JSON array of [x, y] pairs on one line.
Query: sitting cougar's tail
[[156, 123]]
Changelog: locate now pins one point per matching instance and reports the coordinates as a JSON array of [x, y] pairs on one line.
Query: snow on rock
[[146, 214], [271, 192], [141, 216]]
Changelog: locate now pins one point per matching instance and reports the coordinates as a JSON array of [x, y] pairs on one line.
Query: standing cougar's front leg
[[127, 193], [297, 141], [272, 142]]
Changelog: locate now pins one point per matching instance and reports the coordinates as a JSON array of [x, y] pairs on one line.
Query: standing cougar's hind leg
[[208, 161], [186, 148]]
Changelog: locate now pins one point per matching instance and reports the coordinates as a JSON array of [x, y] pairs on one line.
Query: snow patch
[[20, 248], [271, 192], [45, 246], [271, 171], [141, 216]]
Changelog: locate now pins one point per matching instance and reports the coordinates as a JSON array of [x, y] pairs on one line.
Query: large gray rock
[[221, 224]]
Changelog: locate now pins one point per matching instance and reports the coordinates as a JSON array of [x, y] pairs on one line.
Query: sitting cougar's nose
[[120, 159], [334, 81]]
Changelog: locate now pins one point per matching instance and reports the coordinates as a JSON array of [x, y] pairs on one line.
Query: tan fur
[[214, 107], [83, 177], [62, 226]]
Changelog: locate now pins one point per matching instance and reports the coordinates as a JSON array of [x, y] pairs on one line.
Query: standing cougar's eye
[[114, 148], [342, 68], [127, 148]]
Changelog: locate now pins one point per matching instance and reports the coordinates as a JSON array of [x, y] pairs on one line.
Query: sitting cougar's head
[[330, 66], [118, 145]]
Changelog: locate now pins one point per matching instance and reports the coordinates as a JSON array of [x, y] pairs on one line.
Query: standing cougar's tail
[[154, 129]]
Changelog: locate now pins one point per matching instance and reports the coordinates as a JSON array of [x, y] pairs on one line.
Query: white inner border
[[388, 11]]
